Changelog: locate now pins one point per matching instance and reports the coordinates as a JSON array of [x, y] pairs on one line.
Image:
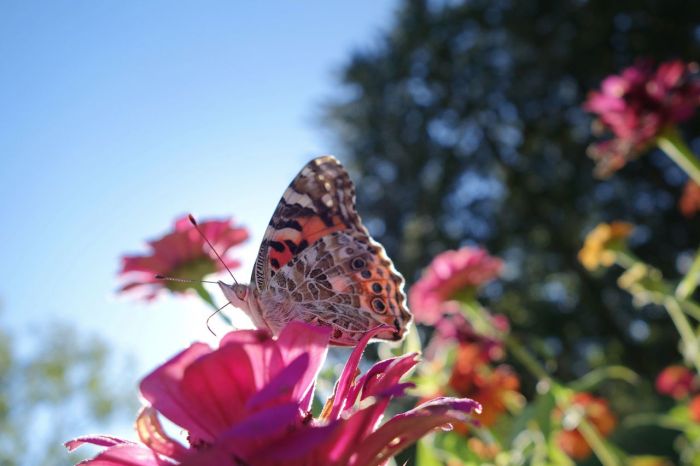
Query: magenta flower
[[182, 253], [676, 381], [637, 105], [248, 402], [450, 273]]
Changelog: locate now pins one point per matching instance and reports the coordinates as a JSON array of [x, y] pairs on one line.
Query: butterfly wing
[[319, 201], [343, 280], [318, 263]]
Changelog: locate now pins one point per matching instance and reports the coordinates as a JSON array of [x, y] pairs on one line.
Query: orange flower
[[597, 412], [492, 387], [601, 244], [483, 450], [694, 408], [689, 203]]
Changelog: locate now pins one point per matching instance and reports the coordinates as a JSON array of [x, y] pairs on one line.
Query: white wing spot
[[327, 200]]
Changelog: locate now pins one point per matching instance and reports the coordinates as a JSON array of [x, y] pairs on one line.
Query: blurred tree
[[463, 125], [55, 385]]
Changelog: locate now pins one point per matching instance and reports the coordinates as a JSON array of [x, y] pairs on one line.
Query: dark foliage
[[463, 125]]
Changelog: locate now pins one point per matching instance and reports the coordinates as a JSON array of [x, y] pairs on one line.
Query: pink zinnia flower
[[449, 273], [675, 381], [182, 253], [637, 105], [248, 403]]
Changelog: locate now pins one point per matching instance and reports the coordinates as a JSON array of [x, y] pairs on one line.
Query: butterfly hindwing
[[346, 281]]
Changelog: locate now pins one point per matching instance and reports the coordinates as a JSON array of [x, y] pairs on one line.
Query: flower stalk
[[672, 143], [597, 444], [475, 311], [690, 281], [647, 285], [689, 342]]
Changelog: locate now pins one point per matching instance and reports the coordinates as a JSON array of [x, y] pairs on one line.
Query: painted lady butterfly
[[317, 263]]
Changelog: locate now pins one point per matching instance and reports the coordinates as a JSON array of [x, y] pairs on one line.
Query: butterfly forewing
[[317, 262], [319, 201]]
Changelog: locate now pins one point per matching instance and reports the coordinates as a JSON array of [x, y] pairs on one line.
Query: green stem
[[527, 359], [677, 308], [691, 308], [671, 142], [589, 432], [596, 376], [625, 259], [688, 339], [686, 287], [654, 419], [597, 444]]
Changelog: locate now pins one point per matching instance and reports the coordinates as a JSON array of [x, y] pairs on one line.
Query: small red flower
[[248, 402], [689, 204], [597, 412], [675, 381], [449, 273], [637, 105], [182, 253], [473, 377]]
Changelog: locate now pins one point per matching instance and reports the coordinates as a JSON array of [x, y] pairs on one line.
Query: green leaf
[[594, 378], [426, 454], [538, 412]]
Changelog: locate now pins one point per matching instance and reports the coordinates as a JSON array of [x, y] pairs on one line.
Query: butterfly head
[[244, 297], [236, 294]]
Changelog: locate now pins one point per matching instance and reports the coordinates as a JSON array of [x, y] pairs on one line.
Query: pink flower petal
[[260, 430], [381, 379], [99, 440], [124, 455], [404, 429], [350, 436], [185, 254], [283, 387], [298, 445], [297, 338], [349, 372], [264, 351], [449, 273], [638, 104], [217, 385], [266, 423], [162, 388]]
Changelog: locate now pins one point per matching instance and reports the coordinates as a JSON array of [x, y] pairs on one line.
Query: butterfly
[[318, 264]]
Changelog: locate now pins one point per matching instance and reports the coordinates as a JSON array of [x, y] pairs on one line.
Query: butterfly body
[[317, 263]]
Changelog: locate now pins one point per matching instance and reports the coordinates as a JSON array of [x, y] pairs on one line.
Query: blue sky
[[116, 117]]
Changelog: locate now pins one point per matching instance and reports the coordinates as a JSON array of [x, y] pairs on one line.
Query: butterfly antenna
[[182, 280], [212, 315], [196, 226]]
